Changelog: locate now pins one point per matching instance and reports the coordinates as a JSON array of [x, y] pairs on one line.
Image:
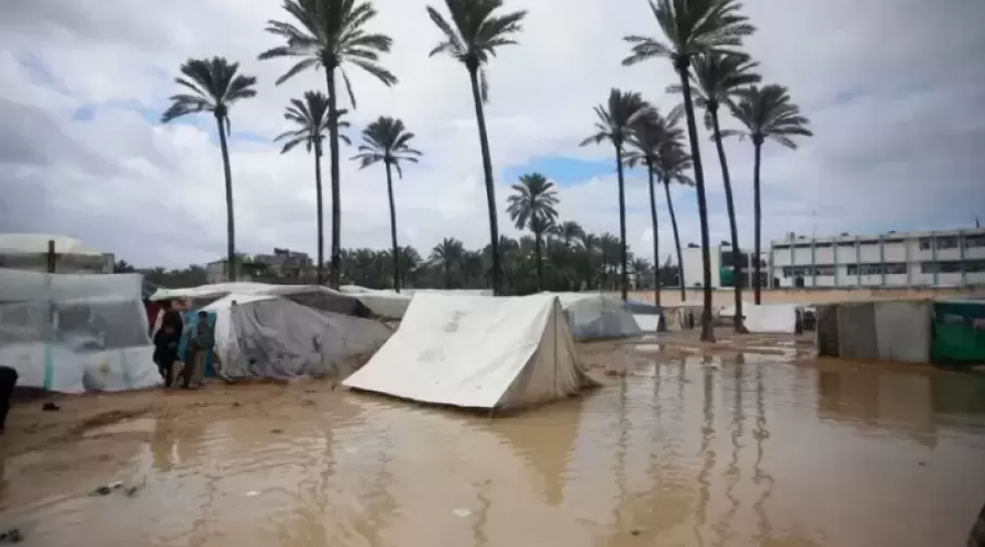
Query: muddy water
[[689, 452]]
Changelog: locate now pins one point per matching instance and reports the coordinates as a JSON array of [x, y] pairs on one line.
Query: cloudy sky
[[894, 89]]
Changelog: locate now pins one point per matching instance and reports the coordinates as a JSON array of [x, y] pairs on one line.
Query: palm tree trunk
[[480, 118], [540, 261], [656, 237], [231, 269], [624, 276], [737, 258], [321, 215], [333, 147], [758, 220], [393, 231], [707, 332], [677, 239]]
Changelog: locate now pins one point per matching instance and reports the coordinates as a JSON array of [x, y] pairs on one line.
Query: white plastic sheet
[[769, 318], [388, 304], [72, 333], [595, 316], [477, 352]]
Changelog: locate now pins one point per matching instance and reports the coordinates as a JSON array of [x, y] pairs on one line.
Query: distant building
[[722, 267], [59, 254], [945, 258], [283, 264]]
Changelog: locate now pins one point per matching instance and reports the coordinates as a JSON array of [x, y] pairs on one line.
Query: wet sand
[[733, 448]]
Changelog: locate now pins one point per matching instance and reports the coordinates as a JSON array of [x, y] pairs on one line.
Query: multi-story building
[[282, 264], [945, 258], [722, 267]]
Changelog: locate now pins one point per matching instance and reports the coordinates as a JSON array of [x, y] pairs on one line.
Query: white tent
[[262, 336], [594, 316], [477, 352], [766, 318], [387, 303]]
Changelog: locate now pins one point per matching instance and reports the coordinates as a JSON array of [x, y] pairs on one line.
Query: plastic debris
[[106, 489], [461, 512]]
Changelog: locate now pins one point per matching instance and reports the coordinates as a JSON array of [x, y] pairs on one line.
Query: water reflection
[[736, 450]]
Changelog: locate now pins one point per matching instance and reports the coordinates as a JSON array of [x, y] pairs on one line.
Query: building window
[[974, 266], [974, 241], [925, 243], [947, 242], [953, 266]]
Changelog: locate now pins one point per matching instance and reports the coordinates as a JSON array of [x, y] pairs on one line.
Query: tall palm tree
[[614, 124], [410, 260], [671, 164], [766, 112], [214, 85], [649, 133], [331, 34], [387, 140], [570, 231], [693, 27], [449, 255], [476, 35], [533, 206], [717, 77], [310, 119]]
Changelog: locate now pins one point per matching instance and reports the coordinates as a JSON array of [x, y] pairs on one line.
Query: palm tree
[[649, 133], [410, 260], [310, 118], [767, 112], [570, 231], [331, 34], [614, 124], [693, 27], [386, 140], [449, 255], [477, 33], [214, 85], [717, 78], [533, 207], [671, 164], [608, 247]]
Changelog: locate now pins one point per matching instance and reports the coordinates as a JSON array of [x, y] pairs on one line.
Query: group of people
[[167, 341]]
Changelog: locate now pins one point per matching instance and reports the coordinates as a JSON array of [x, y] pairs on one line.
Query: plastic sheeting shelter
[[766, 318], [890, 331], [594, 316], [72, 333], [261, 336], [477, 352], [387, 304], [959, 332], [313, 296]]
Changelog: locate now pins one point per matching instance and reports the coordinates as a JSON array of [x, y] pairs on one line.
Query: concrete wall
[[724, 297]]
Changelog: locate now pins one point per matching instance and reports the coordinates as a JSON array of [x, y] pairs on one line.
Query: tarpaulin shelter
[[959, 331], [596, 316]]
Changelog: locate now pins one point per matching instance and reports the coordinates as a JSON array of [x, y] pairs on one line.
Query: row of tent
[[74, 333]]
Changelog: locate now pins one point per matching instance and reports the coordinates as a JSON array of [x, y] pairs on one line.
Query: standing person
[[201, 342], [8, 379], [166, 352]]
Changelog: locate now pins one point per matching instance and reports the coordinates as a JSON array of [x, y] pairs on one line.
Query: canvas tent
[[596, 316], [74, 332], [477, 352], [263, 336]]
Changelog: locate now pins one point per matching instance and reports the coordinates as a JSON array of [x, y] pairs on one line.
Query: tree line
[[701, 38]]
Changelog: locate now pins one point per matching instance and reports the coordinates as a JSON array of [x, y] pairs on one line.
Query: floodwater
[[749, 451]]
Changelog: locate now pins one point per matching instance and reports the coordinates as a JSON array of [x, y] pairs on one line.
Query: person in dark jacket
[[8, 379], [166, 352]]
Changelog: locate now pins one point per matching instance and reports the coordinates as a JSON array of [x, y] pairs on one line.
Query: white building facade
[[722, 267], [937, 258]]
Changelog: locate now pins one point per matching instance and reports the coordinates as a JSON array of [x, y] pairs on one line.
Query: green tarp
[[959, 332]]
